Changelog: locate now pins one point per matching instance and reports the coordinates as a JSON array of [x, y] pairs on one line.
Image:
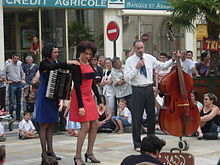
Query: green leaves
[[79, 32], [185, 12]]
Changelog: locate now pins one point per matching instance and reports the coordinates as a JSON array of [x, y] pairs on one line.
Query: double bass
[[178, 116]]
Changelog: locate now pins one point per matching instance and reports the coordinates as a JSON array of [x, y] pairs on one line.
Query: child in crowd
[[2, 133], [26, 128], [71, 126], [49, 160], [2, 154], [123, 119], [29, 94]]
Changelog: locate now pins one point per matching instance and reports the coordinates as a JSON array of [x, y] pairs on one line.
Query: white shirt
[[160, 101], [127, 114], [133, 75], [187, 66], [108, 89], [27, 126], [2, 129]]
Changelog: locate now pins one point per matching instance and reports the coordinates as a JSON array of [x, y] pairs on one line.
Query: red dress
[[91, 111]]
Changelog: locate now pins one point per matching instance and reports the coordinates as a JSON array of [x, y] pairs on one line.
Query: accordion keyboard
[[51, 87]]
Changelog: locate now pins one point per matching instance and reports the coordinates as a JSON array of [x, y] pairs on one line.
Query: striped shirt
[[120, 90]]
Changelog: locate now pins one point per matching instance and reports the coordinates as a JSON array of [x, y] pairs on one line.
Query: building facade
[[49, 20]]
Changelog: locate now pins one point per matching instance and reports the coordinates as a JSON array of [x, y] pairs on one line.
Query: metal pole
[[139, 27], [66, 31], [114, 47]]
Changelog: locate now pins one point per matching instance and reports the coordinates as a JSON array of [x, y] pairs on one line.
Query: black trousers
[[142, 98], [2, 97]]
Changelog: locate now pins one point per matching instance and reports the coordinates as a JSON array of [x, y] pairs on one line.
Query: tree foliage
[[185, 12], [79, 32]]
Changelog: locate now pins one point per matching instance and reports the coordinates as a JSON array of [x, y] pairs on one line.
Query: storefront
[[49, 20]]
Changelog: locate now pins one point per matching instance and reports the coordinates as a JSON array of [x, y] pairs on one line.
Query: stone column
[[2, 47], [190, 43]]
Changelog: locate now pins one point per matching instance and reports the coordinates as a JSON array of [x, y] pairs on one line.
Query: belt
[[19, 82], [142, 86]]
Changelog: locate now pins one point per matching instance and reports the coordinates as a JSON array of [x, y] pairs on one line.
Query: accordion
[[59, 84]]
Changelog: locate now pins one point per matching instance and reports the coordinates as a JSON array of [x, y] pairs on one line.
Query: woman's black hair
[[48, 49], [83, 45], [196, 94], [203, 55]]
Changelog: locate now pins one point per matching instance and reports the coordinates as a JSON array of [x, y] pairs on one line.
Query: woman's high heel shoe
[[75, 162], [89, 156]]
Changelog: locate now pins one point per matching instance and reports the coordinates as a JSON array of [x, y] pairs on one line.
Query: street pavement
[[110, 148]]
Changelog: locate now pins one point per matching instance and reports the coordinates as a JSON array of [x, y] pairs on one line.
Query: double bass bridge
[[183, 105]]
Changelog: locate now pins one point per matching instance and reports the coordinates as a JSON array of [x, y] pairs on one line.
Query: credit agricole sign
[[123, 4]]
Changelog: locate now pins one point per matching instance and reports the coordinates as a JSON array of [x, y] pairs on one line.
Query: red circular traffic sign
[[112, 31], [145, 37]]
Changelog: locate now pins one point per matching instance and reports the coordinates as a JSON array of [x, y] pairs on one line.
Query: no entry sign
[[112, 31], [145, 37]]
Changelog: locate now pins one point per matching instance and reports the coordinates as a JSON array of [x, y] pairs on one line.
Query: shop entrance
[[20, 26]]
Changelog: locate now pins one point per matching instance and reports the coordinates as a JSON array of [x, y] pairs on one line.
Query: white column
[[190, 43], [40, 32], [2, 47], [112, 15]]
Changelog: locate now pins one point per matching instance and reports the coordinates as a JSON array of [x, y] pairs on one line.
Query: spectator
[[30, 94], [129, 52], [190, 56], [187, 64], [195, 97], [121, 87], [26, 128], [208, 113], [105, 122], [159, 101], [159, 74], [30, 69], [72, 127], [15, 77], [203, 66], [35, 46], [108, 90], [2, 133], [123, 119], [99, 72], [49, 160], [101, 62], [150, 149], [98, 69], [2, 154]]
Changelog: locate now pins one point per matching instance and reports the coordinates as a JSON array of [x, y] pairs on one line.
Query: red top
[[91, 111]]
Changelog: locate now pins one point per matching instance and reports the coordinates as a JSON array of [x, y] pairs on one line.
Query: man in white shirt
[[187, 64], [139, 73]]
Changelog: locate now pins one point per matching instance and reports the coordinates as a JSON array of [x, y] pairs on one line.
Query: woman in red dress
[[83, 107]]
